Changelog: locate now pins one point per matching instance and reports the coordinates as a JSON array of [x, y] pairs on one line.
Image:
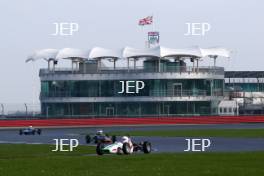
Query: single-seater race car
[[125, 146], [100, 137], [30, 131]]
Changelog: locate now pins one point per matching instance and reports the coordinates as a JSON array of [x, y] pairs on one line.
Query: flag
[[145, 21]]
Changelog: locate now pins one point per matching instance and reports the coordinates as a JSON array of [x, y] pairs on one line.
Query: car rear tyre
[[20, 132], [39, 131], [88, 139], [99, 149], [146, 147], [114, 139], [126, 148]]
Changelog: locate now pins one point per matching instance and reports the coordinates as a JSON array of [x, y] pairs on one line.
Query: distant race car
[[100, 137], [126, 146], [30, 131]]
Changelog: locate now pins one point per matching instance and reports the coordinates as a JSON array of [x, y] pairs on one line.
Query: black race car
[[99, 137], [30, 131]]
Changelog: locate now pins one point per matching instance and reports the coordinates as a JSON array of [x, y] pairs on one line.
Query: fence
[[19, 109]]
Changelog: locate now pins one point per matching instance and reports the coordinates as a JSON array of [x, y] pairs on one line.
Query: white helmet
[[30, 126], [99, 132], [125, 139]]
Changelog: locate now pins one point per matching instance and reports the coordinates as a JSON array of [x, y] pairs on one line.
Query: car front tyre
[[99, 149], [146, 147]]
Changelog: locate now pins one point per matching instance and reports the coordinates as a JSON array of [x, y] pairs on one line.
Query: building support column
[[84, 66], [98, 64], [214, 57], [72, 65], [114, 63], [48, 65], [53, 66], [159, 65], [128, 64], [197, 62], [135, 60]]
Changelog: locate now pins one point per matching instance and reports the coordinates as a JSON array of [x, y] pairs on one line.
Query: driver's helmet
[[125, 139], [30, 126], [99, 132]]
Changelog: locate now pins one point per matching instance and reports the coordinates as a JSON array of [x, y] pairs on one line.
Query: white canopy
[[73, 54], [129, 52], [169, 52], [46, 54], [216, 51], [98, 52]]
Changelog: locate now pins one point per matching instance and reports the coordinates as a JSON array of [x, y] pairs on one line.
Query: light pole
[[47, 111], [3, 109], [26, 108], [211, 94]]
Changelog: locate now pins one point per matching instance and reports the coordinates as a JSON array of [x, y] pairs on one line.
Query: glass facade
[[246, 87], [190, 91], [127, 109], [111, 88]]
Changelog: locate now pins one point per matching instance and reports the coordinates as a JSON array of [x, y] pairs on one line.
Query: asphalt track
[[160, 144]]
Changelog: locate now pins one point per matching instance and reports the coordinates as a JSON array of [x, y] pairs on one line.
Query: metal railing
[[151, 93], [141, 69]]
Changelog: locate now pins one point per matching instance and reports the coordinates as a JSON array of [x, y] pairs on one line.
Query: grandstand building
[[247, 89], [155, 81]]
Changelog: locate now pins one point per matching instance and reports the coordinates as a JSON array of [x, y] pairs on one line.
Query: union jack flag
[[145, 21]]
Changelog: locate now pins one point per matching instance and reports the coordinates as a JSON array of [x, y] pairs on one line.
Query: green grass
[[38, 160], [247, 133], [21, 151]]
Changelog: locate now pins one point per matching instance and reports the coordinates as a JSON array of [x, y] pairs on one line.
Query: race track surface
[[159, 144]]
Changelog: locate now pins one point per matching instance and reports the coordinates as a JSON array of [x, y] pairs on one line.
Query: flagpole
[[153, 28], [147, 21]]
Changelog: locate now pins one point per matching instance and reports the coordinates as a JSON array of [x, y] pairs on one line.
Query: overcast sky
[[26, 26]]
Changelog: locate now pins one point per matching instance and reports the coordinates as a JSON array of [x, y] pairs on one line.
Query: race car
[[30, 131], [100, 137], [125, 146]]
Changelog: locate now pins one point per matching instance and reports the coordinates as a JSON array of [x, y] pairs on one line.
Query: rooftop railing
[[168, 93], [141, 69]]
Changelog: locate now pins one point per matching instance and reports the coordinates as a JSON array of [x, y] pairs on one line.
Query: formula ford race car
[[30, 131], [126, 146], [100, 137]]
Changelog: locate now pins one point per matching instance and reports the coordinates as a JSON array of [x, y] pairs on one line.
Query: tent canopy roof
[[169, 52], [46, 54], [73, 54], [127, 52], [215, 51], [98, 52]]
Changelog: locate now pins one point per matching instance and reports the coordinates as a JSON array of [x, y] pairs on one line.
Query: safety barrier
[[133, 121]]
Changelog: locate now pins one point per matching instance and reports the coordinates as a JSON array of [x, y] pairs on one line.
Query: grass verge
[[247, 133], [38, 160]]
